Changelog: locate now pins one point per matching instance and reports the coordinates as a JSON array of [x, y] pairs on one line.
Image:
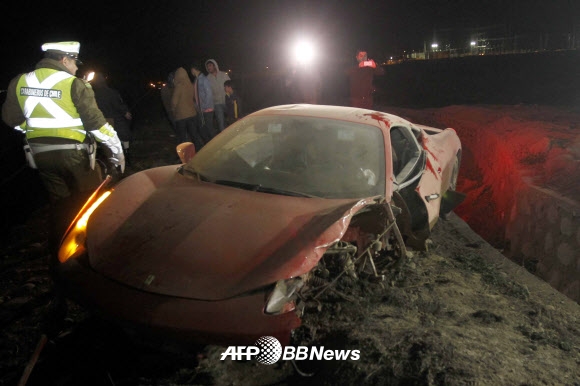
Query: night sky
[[146, 40]]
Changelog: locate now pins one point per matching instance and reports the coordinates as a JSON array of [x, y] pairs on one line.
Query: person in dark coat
[[233, 103], [166, 95], [113, 108], [361, 79]]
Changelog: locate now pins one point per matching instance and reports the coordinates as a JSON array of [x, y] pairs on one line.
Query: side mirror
[[185, 151]]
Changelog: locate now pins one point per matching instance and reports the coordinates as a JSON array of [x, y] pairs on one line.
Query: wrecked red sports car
[[230, 245]]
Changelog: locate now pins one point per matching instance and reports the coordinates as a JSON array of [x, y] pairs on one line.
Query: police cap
[[71, 49]]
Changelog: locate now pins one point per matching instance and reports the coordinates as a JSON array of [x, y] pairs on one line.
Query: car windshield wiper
[[263, 189], [266, 189], [193, 173]]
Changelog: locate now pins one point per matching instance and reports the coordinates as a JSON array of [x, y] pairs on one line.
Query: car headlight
[[282, 299], [73, 243]]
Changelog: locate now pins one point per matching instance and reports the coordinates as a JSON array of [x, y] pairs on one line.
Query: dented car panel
[[438, 169], [240, 319], [229, 245], [259, 223]]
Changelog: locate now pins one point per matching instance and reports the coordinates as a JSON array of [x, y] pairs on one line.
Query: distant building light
[[434, 45], [472, 43]]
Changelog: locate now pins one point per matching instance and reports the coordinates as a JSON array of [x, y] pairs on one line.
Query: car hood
[[164, 233]]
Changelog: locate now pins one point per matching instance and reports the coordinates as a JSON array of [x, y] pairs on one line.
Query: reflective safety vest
[[45, 98]]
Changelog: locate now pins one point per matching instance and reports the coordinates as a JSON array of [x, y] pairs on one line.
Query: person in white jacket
[[217, 79]]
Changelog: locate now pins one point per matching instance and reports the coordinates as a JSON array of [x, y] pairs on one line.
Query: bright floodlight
[[434, 45], [304, 52], [472, 43]]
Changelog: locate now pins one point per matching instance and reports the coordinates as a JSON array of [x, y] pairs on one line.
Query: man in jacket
[[216, 79], [114, 109], [204, 103], [361, 80], [183, 108], [56, 111], [166, 95]]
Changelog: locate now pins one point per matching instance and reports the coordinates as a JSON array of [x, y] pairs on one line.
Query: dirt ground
[[458, 314]]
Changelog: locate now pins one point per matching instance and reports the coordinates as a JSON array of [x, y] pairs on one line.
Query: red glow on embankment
[[506, 149]]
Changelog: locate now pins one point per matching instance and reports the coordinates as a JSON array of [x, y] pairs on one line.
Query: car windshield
[[296, 155]]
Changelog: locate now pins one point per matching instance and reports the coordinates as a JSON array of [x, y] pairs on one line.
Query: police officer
[[56, 111]]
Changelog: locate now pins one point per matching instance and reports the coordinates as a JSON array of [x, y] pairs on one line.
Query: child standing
[[233, 103]]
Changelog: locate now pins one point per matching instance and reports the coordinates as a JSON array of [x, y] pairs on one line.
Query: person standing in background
[[361, 79], [216, 79], [183, 107], [114, 109], [204, 104], [166, 94], [233, 103]]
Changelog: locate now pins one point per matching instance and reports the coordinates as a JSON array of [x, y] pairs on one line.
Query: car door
[[417, 175]]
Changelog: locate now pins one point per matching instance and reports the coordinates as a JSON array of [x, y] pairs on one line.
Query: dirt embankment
[[504, 148]]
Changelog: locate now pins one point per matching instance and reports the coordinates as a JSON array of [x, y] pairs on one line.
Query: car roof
[[346, 113]]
